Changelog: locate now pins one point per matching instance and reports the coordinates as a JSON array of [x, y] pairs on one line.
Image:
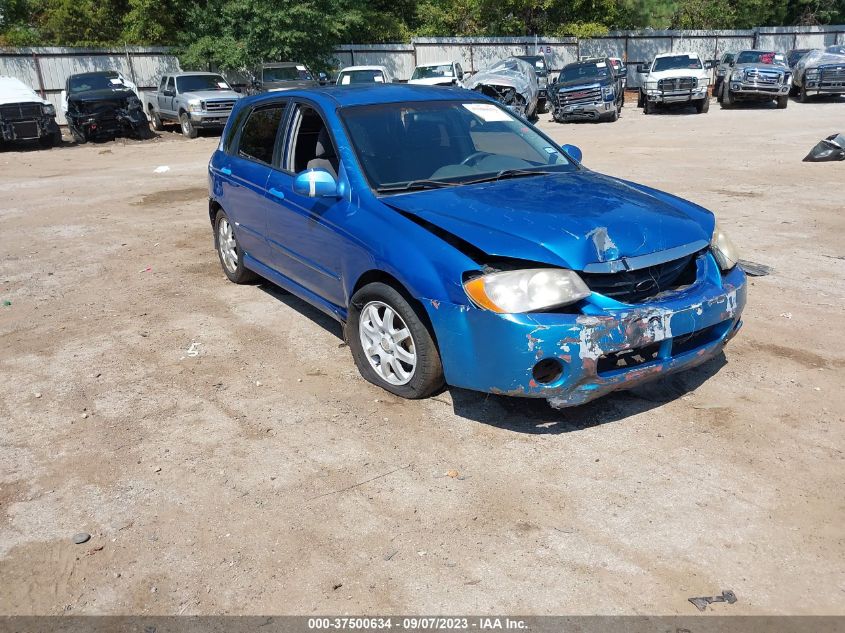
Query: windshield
[[105, 81], [676, 62], [728, 58], [347, 77], [760, 57], [197, 83], [836, 50], [431, 72], [594, 70], [433, 144], [286, 73]]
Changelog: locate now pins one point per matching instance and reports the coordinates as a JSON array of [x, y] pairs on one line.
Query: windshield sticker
[[222, 84], [378, 79], [298, 67], [487, 112], [116, 81], [344, 81], [600, 65]]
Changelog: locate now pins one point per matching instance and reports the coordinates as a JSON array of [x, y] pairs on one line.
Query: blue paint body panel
[[319, 249]]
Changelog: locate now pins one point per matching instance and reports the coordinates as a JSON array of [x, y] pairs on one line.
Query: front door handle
[[226, 171], [278, 194]]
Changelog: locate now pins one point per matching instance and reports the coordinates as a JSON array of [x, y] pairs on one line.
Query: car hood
[[273, 86], [588, 82], [674, 73], [433, 81], [13, 90], [210, 95], [766, 67], [571, 219], [106, 94]]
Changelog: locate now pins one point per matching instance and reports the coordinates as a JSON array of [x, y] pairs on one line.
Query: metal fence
[[45, 69]]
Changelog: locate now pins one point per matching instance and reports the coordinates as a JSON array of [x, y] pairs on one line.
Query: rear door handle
[[226, 171], [276, 193]]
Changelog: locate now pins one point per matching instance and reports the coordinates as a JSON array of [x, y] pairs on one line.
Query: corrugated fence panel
[[603, 47]]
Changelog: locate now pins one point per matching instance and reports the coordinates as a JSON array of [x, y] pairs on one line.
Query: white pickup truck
[[674, 79], [193, 100]]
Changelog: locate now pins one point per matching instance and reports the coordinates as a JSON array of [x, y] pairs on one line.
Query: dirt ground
[[219, 446]]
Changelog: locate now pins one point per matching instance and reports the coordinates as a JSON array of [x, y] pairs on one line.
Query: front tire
[[640, 99], [78, 135], [158, 125], [649, 107], [703, 106], [782, 102], [229, 251], [188, 129], [727, 98], [803, 97], [391, 345]]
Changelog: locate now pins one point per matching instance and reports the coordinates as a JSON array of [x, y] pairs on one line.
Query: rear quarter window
[[258, 139]]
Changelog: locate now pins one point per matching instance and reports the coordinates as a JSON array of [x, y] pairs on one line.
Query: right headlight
[[723, 249], [812, 73], [516, 291]]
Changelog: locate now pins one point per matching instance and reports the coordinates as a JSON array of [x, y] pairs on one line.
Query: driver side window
[[311, 146]]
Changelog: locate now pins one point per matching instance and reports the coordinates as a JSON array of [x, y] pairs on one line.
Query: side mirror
[[315, 183], [573, 151], [237, 89], [256, 84], [642, 68], [710, 64], [623, 71], [322, 78]]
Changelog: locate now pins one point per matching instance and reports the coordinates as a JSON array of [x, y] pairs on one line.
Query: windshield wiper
[[417, 184], [509, 173]]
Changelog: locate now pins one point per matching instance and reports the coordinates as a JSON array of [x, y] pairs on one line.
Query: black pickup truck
[[588, 90]]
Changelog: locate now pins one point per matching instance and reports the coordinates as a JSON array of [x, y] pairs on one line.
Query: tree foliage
[[237, 34]]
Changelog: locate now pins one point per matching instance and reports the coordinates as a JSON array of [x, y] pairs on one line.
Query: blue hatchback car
[[460, 245]]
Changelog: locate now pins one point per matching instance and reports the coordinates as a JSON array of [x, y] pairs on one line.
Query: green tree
[[703, 14], [83, 22]]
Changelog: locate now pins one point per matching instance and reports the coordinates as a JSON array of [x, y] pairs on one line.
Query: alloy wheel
[[387, 343]]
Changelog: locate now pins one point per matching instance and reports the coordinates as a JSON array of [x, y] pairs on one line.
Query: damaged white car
[[512, 82]]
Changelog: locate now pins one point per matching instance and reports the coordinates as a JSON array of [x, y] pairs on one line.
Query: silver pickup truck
[[194, 100]]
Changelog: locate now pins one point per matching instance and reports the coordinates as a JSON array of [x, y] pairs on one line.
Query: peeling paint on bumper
[[496, 353]]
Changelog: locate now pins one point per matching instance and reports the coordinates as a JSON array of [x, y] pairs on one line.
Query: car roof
[[332, 97], [192, 74], [676, 54], [382, 68], [97, 73], [282, 64], [443, 63]]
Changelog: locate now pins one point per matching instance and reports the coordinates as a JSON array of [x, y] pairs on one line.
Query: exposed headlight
[[607, 93], [812, 73], [194, 106], [723, 249], [133, 102], [49, 109], [517, 291]]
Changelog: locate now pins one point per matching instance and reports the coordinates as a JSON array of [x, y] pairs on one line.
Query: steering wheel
[[473, 158]]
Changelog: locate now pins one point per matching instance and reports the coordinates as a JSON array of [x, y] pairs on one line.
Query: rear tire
[[229, 251], [392, 339], [782, 102], [188, 129]]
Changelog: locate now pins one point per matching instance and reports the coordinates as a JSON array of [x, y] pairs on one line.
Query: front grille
[[832, 74], [26, 129], [635, 286], [219, 106], [20, 111], [102, 108], [678, 83], [579, 95], [769, 77]]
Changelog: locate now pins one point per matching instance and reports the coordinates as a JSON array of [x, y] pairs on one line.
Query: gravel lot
[[220, 448]]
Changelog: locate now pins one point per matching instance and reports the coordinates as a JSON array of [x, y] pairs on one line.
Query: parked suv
[[757, 76], [674, 79], [590, 89], [283, 76], [437, 74], [194, 100], [25, 116]]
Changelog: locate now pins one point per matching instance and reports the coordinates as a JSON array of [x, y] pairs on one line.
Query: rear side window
[[258, 139]]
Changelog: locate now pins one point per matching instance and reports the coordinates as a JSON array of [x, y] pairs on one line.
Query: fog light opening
[[547, 371]]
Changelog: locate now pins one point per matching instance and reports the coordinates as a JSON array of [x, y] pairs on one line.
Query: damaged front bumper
[[571, 359], [28, 129], [591, 111], [115, 122]]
